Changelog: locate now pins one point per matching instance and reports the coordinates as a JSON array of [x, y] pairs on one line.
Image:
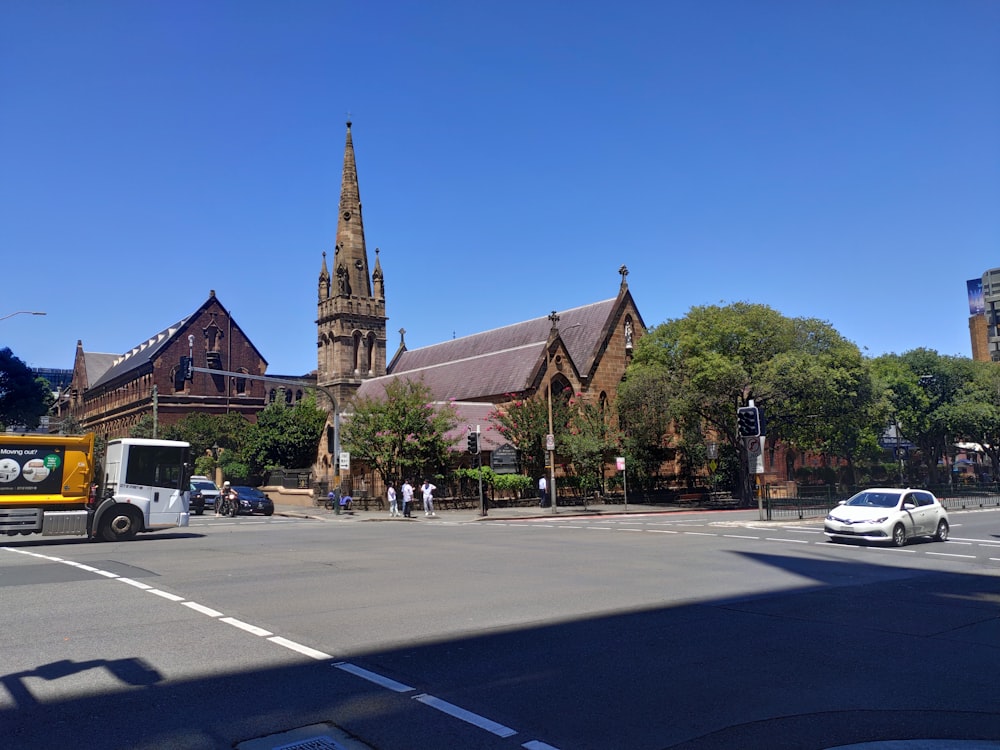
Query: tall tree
[[716, 359], [402, 435], [24, 398], [284, 436]]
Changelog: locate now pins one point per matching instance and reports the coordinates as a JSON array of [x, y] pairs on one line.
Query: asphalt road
[[681, 631]]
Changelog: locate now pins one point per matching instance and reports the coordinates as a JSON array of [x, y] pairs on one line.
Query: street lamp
[[22, 312]]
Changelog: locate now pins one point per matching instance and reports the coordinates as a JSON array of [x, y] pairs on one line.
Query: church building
[[584, 349]]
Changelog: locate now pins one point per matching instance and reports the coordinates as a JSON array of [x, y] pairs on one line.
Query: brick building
[[110, 393]]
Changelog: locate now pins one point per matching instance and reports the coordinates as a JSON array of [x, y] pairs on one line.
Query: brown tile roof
[[488, 365]]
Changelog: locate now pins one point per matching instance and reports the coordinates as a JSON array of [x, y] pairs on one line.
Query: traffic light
[[187, 367], [473, 442], [748, 418]]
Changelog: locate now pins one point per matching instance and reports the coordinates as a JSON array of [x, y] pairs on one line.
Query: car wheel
[[899, 535], [942, 531], [268, 512]]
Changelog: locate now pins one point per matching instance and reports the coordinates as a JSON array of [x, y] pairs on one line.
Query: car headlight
[[883, 519]]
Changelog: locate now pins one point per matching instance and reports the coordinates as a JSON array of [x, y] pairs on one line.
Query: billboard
[[975, 289]]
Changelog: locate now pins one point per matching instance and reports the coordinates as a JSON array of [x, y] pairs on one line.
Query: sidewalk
[[468, 515]]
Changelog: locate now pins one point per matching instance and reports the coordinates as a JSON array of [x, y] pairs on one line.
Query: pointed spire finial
[[624, 272]]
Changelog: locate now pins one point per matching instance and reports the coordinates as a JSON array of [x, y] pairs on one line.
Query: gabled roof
[[141, 354], [96, 364], [504, 360]]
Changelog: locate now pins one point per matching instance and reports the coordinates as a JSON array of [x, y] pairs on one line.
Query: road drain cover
[[313, 737]]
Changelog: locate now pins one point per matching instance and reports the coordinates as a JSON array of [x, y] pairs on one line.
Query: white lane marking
[[165, 595], [741, 536], [364, 674], [460, 713], [299, 648], [663, 531], [245, 626], [639, 530], [537, 745], [107, 574], [790, 541], [137, 584], [947, 554], [698, 533], [203, 609]]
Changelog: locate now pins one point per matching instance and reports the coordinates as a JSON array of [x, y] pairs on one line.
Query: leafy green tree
[[589, 442], [24, 398], [645, 416], [402, 435], [974, 414], [922, 388], [524, 423], [143, 428], [217, 441], [716, 359], [283, 437]]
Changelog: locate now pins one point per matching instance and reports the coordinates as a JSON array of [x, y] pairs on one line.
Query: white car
[[884, 514]]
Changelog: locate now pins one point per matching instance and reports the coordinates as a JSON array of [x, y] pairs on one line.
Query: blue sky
[[833, 159]]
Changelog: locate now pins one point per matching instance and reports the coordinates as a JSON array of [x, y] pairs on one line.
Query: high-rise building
[[984, 316]]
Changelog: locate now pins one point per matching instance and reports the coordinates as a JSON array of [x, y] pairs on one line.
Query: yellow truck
[[48, 486]]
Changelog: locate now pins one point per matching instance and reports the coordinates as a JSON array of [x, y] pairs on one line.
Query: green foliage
[[695, 372], [24, 398], [283, 437], [143, 428], [402, 435], [524, 423], [590, 442]]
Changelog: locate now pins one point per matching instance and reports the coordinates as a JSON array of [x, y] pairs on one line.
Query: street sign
[[345, 461], [755, 453], [620, 463], [550, 442]]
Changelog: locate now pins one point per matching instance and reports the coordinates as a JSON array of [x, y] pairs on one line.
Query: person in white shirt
[[407, 489], [543, 496], [428, 489], [391, 495]]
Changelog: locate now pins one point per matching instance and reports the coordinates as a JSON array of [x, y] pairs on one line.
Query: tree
[[284, 436], [922, 388], [24, 398], [703, 367], [524, 423], [589, 442], [216, 441], [403, 434]]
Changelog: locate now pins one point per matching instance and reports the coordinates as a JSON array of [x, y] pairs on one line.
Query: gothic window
[[357, 351], [370, 351], [298, 396], [628, 331], [602, 403], [241, 383], [288, 396], [272, 396]]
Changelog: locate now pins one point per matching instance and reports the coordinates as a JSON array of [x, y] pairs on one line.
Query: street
[[691, 631]]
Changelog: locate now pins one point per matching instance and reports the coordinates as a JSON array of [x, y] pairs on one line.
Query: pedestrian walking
[[543, 493], [407, 489], [428, 490], [391, 496]]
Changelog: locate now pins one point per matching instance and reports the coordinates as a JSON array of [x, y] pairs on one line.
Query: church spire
[[324, 280], [351, 257]]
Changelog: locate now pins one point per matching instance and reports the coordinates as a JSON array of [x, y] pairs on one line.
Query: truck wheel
[[120, 525]]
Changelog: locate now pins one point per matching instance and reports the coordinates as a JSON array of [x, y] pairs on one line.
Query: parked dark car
[[253, 501]]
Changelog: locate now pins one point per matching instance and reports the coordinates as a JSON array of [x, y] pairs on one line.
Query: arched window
[[241, 383], [272, 396], [357, 348], [370, 351]]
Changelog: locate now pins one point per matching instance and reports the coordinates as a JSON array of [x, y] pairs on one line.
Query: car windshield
[[203, 485], [874, 500], [249, 492]]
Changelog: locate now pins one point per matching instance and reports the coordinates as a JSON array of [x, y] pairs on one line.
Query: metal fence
[[816, 501]]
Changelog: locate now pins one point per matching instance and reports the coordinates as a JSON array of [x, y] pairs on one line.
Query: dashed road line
[[445, 707]]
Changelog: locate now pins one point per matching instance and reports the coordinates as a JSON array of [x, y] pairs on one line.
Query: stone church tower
[[350, 317]]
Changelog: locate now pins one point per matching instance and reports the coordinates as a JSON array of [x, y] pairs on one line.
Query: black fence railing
[[816, 501]]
